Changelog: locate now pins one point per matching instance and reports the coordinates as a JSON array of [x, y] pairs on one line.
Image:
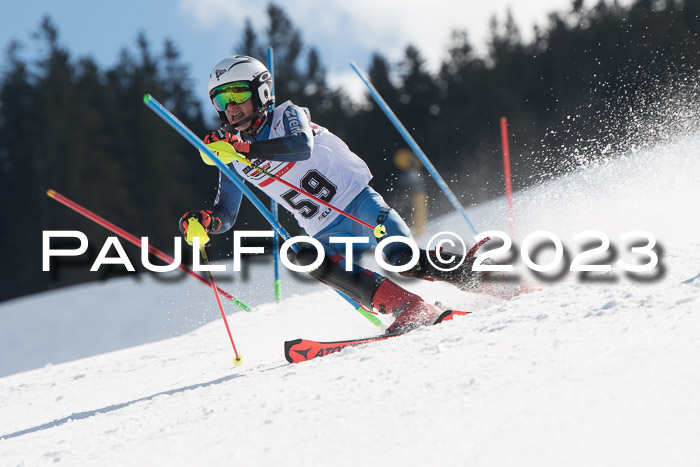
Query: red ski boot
[[409, 309]]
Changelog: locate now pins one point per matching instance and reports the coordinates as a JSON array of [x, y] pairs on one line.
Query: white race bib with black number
[[333, 174]]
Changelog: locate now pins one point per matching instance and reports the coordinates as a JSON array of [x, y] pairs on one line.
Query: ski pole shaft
[[197, 235], [414, 146], [136, 241], [222, 147], [379, 230], [237, 360]]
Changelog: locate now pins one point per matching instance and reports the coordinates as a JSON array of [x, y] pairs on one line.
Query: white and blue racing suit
[[310, 157]]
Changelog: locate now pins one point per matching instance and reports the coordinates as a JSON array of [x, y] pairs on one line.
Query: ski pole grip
[[195, 229], [225, 152], [379, 231]]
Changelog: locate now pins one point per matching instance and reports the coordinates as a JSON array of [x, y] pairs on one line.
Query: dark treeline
[[69, 125]]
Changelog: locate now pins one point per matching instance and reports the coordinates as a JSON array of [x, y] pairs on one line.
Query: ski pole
[[224, 147], [414, 146], [186, 133], [133, 239], [197, 235]]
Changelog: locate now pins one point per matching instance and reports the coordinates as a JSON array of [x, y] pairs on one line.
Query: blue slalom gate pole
[[414, 146], [273, 203], [186, 133]]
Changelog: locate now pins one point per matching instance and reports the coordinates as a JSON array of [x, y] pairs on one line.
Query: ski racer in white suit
[[286, 143]]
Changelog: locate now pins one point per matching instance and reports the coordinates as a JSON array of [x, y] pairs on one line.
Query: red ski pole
[[218, 147], [136, 241], [195, 231]]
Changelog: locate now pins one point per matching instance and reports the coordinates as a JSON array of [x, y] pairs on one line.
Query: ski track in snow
[[598, 372]]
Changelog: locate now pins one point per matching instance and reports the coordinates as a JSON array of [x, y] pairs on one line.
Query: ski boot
[[373, 290], [409, 309]]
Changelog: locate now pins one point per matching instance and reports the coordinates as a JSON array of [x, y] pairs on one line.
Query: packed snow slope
[[601, 370]]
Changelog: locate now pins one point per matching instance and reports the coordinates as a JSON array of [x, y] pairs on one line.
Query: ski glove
[[209, 221], [242, 147]]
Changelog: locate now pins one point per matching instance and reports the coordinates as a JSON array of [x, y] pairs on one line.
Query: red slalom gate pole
[[506, 172], [136, 241]]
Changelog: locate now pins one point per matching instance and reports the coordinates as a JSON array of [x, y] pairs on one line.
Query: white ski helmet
[[241, 68]]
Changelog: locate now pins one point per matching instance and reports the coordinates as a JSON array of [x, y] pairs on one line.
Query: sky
[[206, 31]]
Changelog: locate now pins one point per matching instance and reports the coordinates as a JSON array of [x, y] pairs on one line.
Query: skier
[[286, 143]]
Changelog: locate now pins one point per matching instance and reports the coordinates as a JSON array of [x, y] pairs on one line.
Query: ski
[[302, 350]]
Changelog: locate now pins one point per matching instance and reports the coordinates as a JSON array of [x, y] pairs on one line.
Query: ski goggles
[[230, 93]]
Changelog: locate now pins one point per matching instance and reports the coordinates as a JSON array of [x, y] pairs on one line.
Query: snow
[[601, 370]]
